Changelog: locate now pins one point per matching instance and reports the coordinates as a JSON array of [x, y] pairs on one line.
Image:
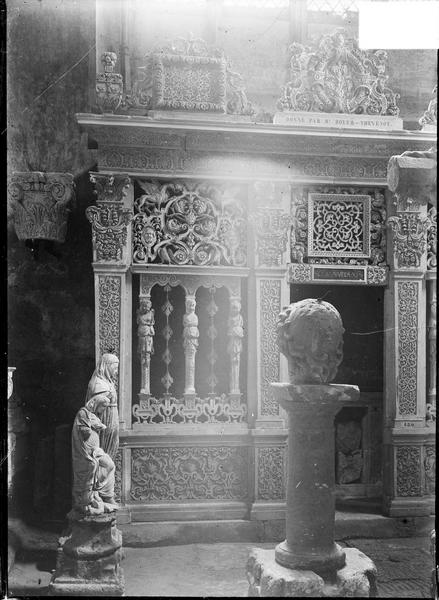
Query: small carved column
[[407, 440], [190, 344], [111, 237], [145, 334], [235, 334]]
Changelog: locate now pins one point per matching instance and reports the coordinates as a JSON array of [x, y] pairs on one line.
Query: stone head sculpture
[[310, 335]]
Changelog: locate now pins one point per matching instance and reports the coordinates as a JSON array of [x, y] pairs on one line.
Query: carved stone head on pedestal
[[310, 335]]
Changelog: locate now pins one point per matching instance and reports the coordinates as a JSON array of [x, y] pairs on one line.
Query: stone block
[[89, 557], [269, 579]]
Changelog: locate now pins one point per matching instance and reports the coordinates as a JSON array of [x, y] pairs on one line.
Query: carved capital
[[41, 204], [109, 231], [110, 188], [411, 176], [271, 228], [409, 239]]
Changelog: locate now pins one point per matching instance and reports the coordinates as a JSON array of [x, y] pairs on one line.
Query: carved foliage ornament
[[218, 409], [189, 75], [407, 347], [189, 473], [109, 289], [183, 223], [432, 239], [271, 473], [40, 202], [338, 77], [410, 238], [270, 305], [408, 471], [109, 85]]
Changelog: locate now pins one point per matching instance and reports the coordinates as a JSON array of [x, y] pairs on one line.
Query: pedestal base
[[88, 560], [357, 579]]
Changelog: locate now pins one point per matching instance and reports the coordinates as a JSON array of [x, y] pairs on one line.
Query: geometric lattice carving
[[187, 74], [215, 409], [189, 473], [186, 223], [407, 347], [408, 471], [338, 77], [271, 473], [339, 225], [342, 223], [270, 306]]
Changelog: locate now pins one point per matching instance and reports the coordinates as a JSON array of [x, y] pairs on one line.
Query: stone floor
[[207, 570]]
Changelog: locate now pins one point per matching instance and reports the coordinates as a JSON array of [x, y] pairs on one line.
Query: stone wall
[[50, 300]]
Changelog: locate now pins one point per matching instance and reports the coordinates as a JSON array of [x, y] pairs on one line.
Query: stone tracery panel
[[185, 223], [407, 347], [189, 473]]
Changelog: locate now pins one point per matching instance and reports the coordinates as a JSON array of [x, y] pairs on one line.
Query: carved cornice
[[40, 203], [338, 77]]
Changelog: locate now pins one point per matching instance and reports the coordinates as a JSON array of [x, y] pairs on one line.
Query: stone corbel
[[41, 205]]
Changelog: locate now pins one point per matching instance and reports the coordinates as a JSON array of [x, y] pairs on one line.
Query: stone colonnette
[[309, 562]]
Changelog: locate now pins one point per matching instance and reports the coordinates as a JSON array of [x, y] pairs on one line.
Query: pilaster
[[111, 237], [409, 450]]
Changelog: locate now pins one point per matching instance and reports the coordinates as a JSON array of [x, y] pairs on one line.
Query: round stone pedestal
[[88, 560], [267, 578]]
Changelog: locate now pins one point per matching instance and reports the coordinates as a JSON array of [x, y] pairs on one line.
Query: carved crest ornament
[[41, 204], [338, 77], [109, 85], [188, 74]]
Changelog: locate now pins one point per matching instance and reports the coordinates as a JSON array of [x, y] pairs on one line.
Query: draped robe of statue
[[93, 469], [101, 383]]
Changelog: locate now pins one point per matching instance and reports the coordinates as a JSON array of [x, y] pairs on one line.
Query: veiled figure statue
[[93, 469], [102, 385]]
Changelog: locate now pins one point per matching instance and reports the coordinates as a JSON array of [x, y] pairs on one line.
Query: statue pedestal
[[309, 562], [88, 561]]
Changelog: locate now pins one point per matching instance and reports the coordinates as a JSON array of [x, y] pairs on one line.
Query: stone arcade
[[213, 211]]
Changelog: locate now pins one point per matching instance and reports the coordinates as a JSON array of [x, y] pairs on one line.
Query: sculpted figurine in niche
[[310, 335], [145, 332], [190, 344], [102, 384], [235, 334], [93, 469]]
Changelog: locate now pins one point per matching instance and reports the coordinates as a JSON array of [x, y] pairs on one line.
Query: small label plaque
[[339, 274], [338, 120]]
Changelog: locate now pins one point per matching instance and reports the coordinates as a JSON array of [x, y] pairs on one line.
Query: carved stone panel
[[118, 476], [270, 307], [339, 225], [109, 313], [429, 469], [432, 239], [109, 231], [407, 347], [408, 471], [271, 473], [189, 473], [185, 223]]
